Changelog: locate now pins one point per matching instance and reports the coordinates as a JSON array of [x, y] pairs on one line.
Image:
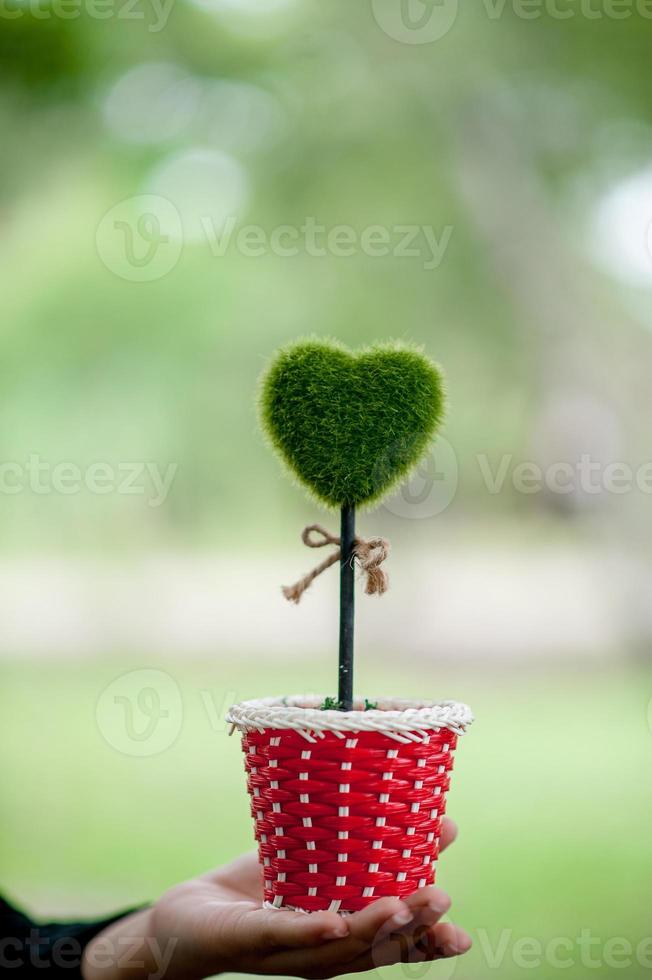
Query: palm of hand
[[219, 926]]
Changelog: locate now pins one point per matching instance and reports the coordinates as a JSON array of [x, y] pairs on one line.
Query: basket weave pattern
[[348, 818]]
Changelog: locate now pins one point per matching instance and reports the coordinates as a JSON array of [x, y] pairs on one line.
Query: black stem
[[347, 606]]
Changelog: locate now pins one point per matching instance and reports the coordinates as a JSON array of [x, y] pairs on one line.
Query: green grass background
[[551, 790]]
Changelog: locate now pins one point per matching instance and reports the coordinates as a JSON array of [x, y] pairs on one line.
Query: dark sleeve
[[45, 950]]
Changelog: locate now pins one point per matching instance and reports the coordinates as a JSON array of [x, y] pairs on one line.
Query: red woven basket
[[347, 805]]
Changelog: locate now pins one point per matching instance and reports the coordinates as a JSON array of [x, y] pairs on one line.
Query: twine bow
[[370, 555]]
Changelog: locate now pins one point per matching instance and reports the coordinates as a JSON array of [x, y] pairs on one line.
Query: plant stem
[[347, 538]]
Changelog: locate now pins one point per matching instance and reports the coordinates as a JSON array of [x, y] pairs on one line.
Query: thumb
[[270, 929]]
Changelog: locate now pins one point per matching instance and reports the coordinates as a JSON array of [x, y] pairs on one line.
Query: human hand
[[216, 923]]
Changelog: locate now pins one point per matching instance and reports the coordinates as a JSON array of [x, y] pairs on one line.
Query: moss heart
[[351, 425]]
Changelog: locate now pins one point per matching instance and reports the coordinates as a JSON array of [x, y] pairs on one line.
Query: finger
[[283, 929], [425, 918], [450, 939], [414, 940], [448, 833], [378, 919], [430, 897], [422, 945], [374, 923], [381, 917]]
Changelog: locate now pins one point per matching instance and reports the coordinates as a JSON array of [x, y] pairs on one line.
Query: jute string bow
[[370, 555]]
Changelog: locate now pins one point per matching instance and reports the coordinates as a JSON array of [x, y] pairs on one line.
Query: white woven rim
[[405, 721]]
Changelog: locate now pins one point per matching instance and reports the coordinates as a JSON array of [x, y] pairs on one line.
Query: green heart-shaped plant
[[351, 425]]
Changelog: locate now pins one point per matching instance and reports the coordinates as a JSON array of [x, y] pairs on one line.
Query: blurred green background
[[504, 155]]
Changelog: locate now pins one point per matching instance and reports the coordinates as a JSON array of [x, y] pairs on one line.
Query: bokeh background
[[491, 165]]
